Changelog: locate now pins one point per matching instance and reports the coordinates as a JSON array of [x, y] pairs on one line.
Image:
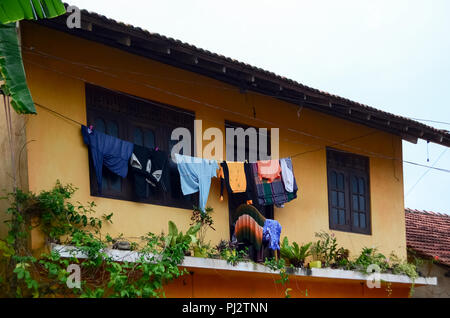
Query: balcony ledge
[[250, 267]]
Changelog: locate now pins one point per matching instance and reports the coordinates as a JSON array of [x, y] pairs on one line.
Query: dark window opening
[[268, 210], [348, 192]]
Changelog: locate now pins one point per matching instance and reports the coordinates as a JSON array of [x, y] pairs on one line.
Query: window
[[348, 192], [145, 123], [268, 210]]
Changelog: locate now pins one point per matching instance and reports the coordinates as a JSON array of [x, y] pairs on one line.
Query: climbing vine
[[23, 274]]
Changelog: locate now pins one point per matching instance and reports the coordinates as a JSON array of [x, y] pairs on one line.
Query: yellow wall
[[59, 152]]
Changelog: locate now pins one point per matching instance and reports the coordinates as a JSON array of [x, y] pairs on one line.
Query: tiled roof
[[100, 28], [428, 233]]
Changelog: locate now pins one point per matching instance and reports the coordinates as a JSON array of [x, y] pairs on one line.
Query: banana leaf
[[16, 10], [12, 71]]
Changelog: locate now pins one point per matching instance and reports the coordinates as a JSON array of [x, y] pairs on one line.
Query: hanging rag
[[269, 169], [287, 174], [257, 185], [272, 233], [235, 199], [195, 176], [236, 176], [107, 151], [288, 178]]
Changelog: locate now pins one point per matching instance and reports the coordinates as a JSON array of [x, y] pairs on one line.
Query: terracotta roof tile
[[428, 233]]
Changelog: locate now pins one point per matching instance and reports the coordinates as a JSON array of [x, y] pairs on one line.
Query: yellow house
[[139, 86]]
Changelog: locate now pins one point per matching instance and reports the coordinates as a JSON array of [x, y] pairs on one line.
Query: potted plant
[[294, 254], [177, 237], [204, 221]]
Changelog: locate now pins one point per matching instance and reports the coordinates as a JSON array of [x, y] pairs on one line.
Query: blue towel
[[272, 233], [195, 176], [109, 151]]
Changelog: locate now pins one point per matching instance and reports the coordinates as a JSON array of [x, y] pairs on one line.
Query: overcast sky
[[392, 55]]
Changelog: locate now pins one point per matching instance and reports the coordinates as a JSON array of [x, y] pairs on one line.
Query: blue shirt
[[272, 233], [195, 176], [107, 150]]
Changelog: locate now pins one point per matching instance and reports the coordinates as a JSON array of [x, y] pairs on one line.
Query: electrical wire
[[292, 156], [425, 173], [333, 142], [34, 51]]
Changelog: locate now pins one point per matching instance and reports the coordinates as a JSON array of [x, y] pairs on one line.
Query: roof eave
[[246, 77]]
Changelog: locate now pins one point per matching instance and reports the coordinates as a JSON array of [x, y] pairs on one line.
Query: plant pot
[[315, 264], [200, 251]]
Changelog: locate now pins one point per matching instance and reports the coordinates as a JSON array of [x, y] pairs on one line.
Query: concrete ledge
[[250, 267]]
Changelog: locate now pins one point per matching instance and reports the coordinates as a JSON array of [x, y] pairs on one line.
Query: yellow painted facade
[[58, 152]]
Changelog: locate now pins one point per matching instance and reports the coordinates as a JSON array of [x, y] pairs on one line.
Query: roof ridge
[[409, 210]]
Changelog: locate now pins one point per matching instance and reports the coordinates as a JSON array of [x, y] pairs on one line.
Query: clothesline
[[372, 154]]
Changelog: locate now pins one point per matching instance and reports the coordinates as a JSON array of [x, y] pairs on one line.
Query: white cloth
[[287, 174]]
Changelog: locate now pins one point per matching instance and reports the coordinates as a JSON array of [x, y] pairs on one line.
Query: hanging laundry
[[195, 176], [272, 233], [287, 174], [269, 169], [235, 199], [107, 151], [288, 177], [236, 178], [257, 184], [147, 167], [268, 193]]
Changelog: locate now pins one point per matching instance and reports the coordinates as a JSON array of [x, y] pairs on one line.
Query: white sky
[[392, 55]]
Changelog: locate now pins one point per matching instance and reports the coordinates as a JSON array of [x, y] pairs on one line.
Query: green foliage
[[17, 10], [13, 72], [294, 253], [368, 257], [176, 237], [234, 256], [279, 265], [76, 225], [341, 258], [205, 221]]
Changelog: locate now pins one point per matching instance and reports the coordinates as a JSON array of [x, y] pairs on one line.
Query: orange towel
[[269, 169], [236, 172]]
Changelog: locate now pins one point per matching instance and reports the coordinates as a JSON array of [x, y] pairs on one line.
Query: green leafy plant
[[76, 225], [401, 267], [370, 256], [279, 265], [341, 258], [12, 71], [294, 254], [177, 237], [325, 248], [13, 11], [205, 221]]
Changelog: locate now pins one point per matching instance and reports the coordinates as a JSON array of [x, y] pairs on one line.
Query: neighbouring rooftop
[[428, 233]]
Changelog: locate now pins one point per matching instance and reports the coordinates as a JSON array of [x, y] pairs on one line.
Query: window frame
[[113, 105], [349, 169]]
